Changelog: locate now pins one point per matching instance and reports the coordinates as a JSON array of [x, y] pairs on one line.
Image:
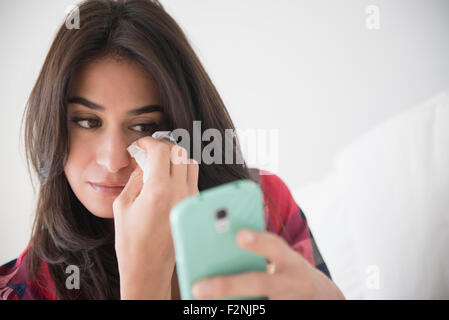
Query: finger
[[248, 284], [192, 176], [178, 165], [159, 157], [132, 188], [267, 244]]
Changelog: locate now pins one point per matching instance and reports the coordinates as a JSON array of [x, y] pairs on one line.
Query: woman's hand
[[143, 241], [288, 276]]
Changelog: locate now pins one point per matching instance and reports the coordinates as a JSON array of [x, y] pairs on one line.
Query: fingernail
[[202, 289], [248, 237]]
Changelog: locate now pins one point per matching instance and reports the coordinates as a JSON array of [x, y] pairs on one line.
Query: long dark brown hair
[[64, 231]]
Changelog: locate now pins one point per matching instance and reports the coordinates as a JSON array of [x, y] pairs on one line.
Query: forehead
[[115, 84]]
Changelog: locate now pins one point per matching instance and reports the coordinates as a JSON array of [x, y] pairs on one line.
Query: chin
[[104, 214], [101, 211]]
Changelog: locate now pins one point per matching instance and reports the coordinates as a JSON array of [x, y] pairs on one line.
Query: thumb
[[132, 188]]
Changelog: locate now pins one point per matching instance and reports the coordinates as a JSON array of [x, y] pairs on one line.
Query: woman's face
[[112, 104]]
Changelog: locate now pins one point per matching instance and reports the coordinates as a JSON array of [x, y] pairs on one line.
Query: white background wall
[[310, 69]]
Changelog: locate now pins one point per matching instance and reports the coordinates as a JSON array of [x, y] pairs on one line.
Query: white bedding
[[381, 219]]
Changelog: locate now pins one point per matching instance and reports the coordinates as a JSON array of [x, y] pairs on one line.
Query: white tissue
[[142, 157]]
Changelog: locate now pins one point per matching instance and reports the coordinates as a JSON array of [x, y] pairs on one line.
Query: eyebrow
[[134, 112]]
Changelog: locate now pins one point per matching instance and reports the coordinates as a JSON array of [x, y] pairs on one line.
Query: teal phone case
[[205, 245]]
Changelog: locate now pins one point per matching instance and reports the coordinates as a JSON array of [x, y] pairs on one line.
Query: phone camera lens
[[221, 214]]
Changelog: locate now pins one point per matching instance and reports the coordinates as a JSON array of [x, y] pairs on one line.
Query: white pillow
[[381, 219]]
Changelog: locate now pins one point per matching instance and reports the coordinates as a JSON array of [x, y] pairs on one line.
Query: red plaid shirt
[[280, 209]]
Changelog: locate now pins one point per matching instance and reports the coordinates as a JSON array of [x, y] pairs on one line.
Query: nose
[[112, 153]]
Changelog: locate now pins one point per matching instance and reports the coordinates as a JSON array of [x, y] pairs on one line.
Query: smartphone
[[204, 229]]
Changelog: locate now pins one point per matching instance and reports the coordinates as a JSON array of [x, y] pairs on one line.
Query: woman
[[127, 72]]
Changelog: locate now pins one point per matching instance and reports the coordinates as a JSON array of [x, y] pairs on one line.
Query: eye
[[148, 127], [86, 122]]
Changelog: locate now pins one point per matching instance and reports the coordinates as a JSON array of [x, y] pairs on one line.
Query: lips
[[106, 189], [109, 185]]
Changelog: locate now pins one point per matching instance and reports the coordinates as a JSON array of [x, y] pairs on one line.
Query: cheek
[[81, 155], [77, 160], [74, 169]]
